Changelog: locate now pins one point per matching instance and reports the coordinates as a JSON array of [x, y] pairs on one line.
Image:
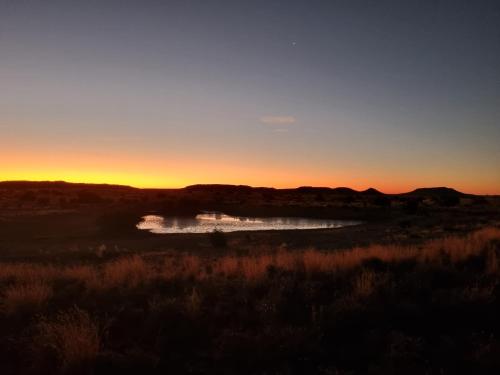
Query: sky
[[387, 94]]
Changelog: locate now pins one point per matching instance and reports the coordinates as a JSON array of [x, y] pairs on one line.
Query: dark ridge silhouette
[[437, 192], [312, 189], [217, 187], [59, 185], [227, 188], [322, 189], [371, 191], [223, 188], [344, 190]]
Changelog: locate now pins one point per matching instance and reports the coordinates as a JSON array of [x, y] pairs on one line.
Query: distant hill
[[344, 190], [223, 188], [59, 185], [437, 192], [312, 190], [372, 191]]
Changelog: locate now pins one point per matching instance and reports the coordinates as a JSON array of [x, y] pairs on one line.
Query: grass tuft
[[70, 341], [26, 297]]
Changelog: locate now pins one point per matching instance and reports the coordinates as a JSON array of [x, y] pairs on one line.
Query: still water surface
[[207, 222]]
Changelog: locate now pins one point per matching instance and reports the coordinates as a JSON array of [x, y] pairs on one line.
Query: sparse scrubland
[[431, 307], [413, 290]]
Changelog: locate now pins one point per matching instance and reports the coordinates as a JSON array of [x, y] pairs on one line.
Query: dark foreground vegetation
[[415, 289], [430, 308]]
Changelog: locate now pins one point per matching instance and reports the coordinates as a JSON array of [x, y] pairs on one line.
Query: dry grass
[[27, 273], [32, 273], [32, 282], [25, 297], [250, 268], [85, 275], [71, 338], [185, 266], [459, 248], [455, 249], [125, 272], [365, 284], [70, 341]]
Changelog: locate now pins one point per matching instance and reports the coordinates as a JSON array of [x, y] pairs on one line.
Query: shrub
[[70, 341]]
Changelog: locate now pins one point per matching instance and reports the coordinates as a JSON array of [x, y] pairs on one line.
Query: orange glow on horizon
[[150, 172], [145, 181]]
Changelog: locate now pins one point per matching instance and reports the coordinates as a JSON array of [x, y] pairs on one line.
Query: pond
[[210, 221]]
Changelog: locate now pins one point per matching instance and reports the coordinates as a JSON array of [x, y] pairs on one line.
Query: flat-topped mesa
[[338, 190], [437, 191], [218, 187]]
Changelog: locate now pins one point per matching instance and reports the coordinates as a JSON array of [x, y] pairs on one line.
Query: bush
[[70, 342]]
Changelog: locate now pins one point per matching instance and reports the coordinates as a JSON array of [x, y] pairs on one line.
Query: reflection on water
[[209, 221]]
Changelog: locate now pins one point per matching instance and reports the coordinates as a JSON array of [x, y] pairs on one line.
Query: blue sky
[[388, 94]]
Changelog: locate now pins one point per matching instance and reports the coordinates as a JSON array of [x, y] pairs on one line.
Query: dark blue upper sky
[[394, 94]]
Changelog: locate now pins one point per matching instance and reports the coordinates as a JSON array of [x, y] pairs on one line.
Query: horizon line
[[225, 184]]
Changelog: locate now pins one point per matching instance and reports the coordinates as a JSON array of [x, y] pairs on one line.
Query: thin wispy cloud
[[277, 120]]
